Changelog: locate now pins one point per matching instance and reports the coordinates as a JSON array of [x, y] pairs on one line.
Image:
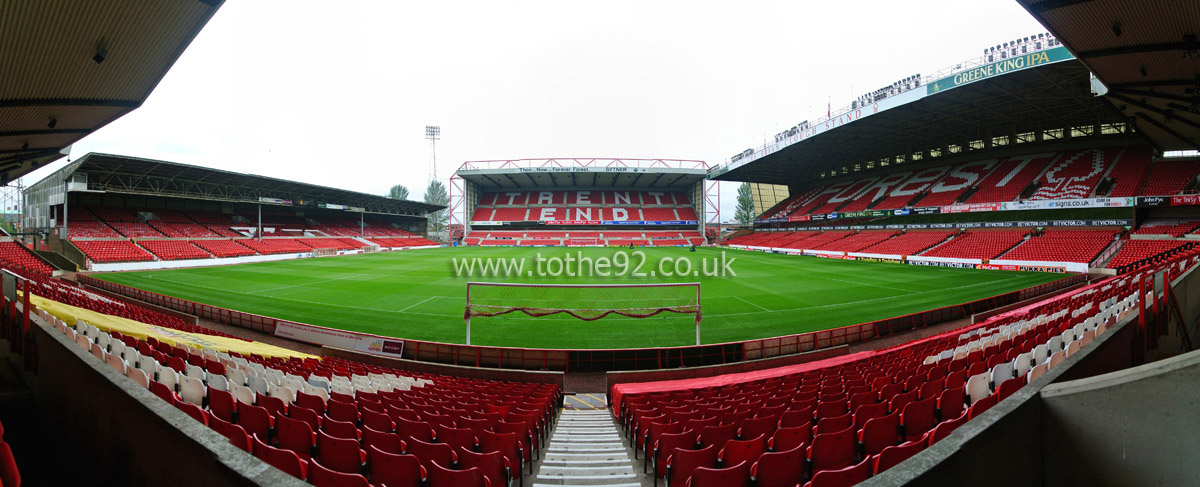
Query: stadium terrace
[[997, 260]]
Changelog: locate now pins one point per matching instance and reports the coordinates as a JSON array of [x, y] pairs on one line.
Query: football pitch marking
[[849, 303], [245, 293], [321, 281], [751, 304], [423, 301]]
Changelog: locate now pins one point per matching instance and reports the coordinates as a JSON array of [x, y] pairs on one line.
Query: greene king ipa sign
[[1017, 63]]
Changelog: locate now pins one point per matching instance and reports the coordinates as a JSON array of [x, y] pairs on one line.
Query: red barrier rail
[[617, 359]]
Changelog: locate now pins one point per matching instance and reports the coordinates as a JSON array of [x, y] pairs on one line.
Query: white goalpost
[[587, 302]]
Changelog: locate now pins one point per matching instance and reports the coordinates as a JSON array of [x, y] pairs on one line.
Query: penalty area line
[[418, 303], [739, 298]]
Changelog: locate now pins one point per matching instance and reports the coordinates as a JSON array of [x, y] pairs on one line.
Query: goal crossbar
[[587, 302]]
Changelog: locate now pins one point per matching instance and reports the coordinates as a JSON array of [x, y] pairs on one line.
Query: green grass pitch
[[415, 294]]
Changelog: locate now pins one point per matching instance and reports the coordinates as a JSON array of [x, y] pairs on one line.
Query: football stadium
[[981, 275]]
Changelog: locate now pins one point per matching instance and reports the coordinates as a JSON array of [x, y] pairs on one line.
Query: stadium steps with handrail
[[586, 449], [916, 199], [1107, 254], [1029, 190], [966, 194], [1105, 187], [1010, 249], [1192, 185]]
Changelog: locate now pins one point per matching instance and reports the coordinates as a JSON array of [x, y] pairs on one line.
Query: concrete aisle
[[586, 449]]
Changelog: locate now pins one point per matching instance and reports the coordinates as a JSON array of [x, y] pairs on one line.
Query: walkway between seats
[[586, 449]]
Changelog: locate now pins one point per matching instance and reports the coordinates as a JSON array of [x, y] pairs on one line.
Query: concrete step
[[585, 449]]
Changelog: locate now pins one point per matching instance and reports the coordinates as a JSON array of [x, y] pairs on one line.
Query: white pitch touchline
[[415, 304], [885, 298], [304, 301], [267, 290], [739, 298]]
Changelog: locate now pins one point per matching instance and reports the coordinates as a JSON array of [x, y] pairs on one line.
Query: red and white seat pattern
[[1064, 175], [584, 206], [334, 420], [1074, 174]]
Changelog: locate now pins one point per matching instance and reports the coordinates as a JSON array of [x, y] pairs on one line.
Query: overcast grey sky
[[339, 93]]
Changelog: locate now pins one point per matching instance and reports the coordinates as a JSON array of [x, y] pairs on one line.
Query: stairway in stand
[[585, 449]]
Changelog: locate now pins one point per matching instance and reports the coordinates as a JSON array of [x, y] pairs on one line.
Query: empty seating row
[[15, 254], [978, 244], [1172, 227], [332, 420], [585, 214], [1138, 251], [112, 250], [1063, 246], [584, 198], [174, 249]]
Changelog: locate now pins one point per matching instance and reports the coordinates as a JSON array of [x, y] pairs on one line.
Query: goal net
[[587, 302]]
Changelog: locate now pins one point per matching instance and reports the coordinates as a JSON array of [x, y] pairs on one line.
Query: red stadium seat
[[832, 451], [439, 476], [845, 477], [779, 468], [735, 476], [682, 463], [394, 470], [285, 460], [320, 476], [340, 454]]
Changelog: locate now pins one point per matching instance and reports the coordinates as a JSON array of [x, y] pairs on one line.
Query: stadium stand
[[92, 229], [112, 251], [275, 245], [56, 290], [15, 254], [174, 249], [979, 244], [223, 247], [325, 243], [909, 243], [858, 241], [1009, 178], [182, 230], [1168, 178], [1129, 176], [583, 206], [1074, 175], [134, 229], [329, 418], [1063, 246], [1171, 227], [1063, 175], [867, 412], [1140, 251]]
